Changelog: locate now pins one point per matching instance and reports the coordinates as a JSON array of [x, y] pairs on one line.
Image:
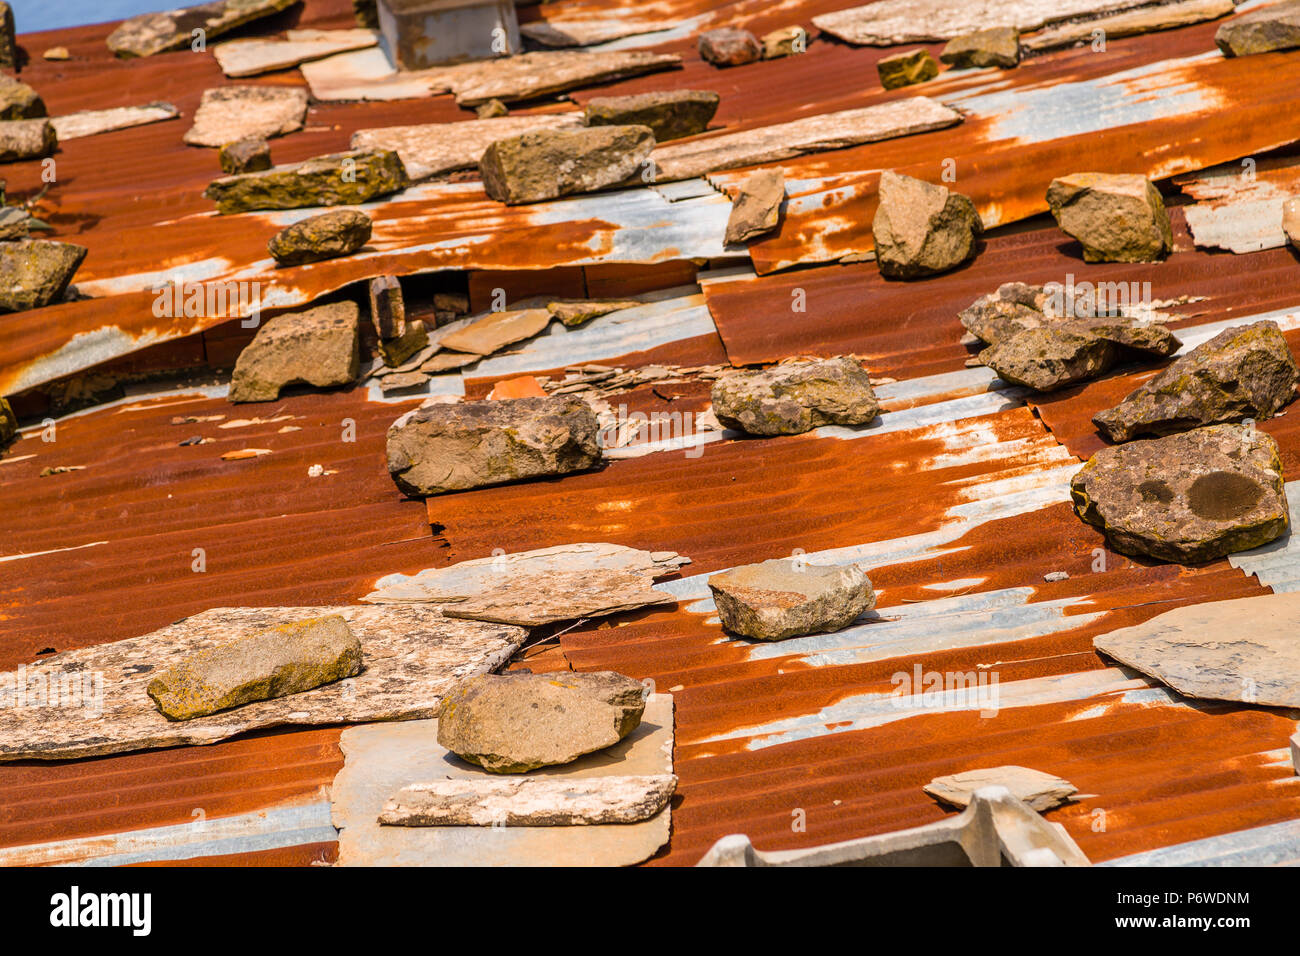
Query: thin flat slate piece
[[1167, 16], [529, 801], [411, 656], [1244, 650], [228, 113], [889, 22], [238, 58], [383, 758], [534, 600], [1042, 791], [91, 122]]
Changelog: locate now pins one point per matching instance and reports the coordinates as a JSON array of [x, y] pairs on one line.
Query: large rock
[[906, 69], [1243, 372], [921, 229], [251, 154], [18, 100], [228, 113], [152, 33], [1042, 791], [320, 347], [275, 662], [728, 46], [327, 236], [996, 46], [1275, 27], [8, 38], [339, 179], [546, 164], [513, 723], [782, 598], [795, 397], [1046, 359], [1116, 217], [36, 272], [440, 448], [27, 139], [757, 206], [1187, 498], [670, 114]]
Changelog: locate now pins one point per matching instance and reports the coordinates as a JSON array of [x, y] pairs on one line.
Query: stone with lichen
[[1115, 217], [319, 347], [906, 69], [795, 396], [338, 179], [326, 236], [36, 272]]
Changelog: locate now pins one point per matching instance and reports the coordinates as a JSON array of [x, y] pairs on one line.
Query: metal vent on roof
[[425, 33]]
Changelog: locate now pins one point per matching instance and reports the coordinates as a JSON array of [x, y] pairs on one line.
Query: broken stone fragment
[[1042, 791], [575, 312], [36, 272], [1243, 372], [782, 598], [396, 351], [14, 223], [496, 330], [1147, 338], [491, 109], [670, 114], [921, 229], [8, 38], [57, 53], [1187, 498], [440, 448], [998, 316], [319, 347], [387, 308], [401, 381], [326, 236], [444, 361], [795, 397], [784, 42], [529, 801], [513, 723], [1116, 217], [546, 164], [252, 154], [339, 179], [906, 69], [1291, 220], [228, 113], [1275, 27], [27, 139], [8, 423], [18, 100], [757, 206], [1046, 359], [539, 599], [275, 662], [152, 33], [728, 46], [996, 46]]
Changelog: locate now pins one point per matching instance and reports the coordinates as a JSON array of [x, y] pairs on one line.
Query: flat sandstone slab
[[890, 22], [1042, 791], [529, 801], [239, 58], [91, 122], [411, 656], [229, 113]]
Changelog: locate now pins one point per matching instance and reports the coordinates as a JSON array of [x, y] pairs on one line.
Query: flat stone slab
[[151, 33], [228, 113], [890, 22], [529, 801], [411, 656], [239, 58], [383, 758], [496, 330], [1042, 791], [534, 600], [1240, 650], [93, 122]]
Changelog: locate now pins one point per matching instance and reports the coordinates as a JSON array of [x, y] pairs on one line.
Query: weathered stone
[[339, 179], [326, 236], [387, 307], [536, 600], [996, 46], [492, 109], [1042, 791], [784, 42], [575, 312], [782, 598], [1291, 220], [444, 361], [1243, 372], [550, 163], [36, 272], [670, 114], [998, 316], [396, 351], [319, 347], [1189, 497], [893, 22], [529, 801], [1162, 16], [276, 662], [8, 423], [93, 122], [252, 154], [254, 55], [795, 397], [402, 381], [8, 37], [1241, 650], [1148, 338], [906, 69], [152, 33], [1046, 359], [1274, 27], [496, 330], [27, 139], [757, 206], [18, 100], [728, 46], [228, 113], [441, 448], [57, 53], [1117, 218], [921, 229], [14, 223], [513, 723]]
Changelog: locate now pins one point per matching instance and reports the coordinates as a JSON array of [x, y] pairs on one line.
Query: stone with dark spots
[[795, 397], [440, 447], [151, 33], [327, 236], [547, 164], [1115, 217], [996, 46], [339, 179], [670, 114], [252, 154], [319, 347], [1274, 27], [1146, 338], [1046, 359], [921, 229], [1186, 498], [18, 100], [8, 38], [513, 723], [906, 69], [36, 272], [757, 207], [784, 598], [1243, 372], [27, 139], [728, 46], [275, 662]]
